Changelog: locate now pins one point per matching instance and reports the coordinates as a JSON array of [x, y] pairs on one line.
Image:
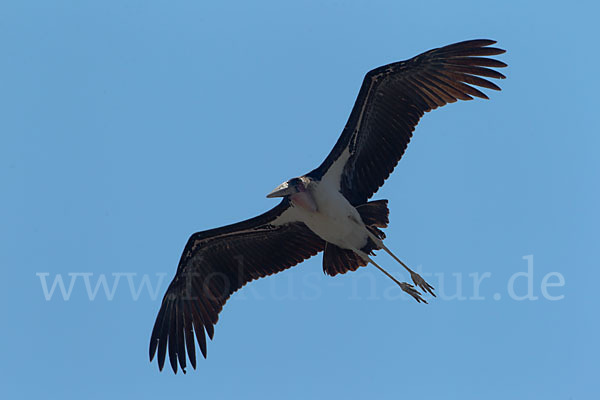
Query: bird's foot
[[410, 289], [421, 283]]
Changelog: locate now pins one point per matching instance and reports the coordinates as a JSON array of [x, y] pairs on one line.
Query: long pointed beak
[[280, 191]]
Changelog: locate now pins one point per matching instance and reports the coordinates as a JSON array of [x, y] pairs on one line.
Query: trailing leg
[[405, 286], [416, 278]]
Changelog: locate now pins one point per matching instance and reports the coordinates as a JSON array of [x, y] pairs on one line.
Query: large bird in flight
[[327, 209]]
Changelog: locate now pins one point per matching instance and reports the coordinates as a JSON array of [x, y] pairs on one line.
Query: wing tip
[[501, 64], [152, 350]]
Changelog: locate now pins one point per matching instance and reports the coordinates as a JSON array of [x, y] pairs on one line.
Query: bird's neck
[[304, 200]]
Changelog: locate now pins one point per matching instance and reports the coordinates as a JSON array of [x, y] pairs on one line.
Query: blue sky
[[127, 126]]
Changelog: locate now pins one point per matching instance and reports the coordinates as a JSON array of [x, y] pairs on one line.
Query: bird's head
[[296, 190], [290, 188]]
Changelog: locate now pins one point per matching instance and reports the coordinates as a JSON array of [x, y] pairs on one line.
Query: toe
[[421, 283]]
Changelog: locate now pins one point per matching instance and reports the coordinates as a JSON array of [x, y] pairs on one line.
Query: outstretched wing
[[390, 103], [216, 263]]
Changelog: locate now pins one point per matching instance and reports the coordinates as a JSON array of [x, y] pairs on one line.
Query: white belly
[[343, 232], [334, 220]]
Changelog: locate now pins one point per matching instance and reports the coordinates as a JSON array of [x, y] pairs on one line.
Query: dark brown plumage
[[216, 263], [390, 103]]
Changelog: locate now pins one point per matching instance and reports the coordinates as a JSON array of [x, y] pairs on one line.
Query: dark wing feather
[[215, 264], [390, 103]]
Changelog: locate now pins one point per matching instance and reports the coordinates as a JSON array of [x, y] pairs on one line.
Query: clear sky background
[[126, 126]]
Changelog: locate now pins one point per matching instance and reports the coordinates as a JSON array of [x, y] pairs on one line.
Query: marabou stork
[[327, 209]]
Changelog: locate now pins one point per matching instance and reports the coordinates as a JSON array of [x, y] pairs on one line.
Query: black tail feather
[[339, 261], [374, 213]]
